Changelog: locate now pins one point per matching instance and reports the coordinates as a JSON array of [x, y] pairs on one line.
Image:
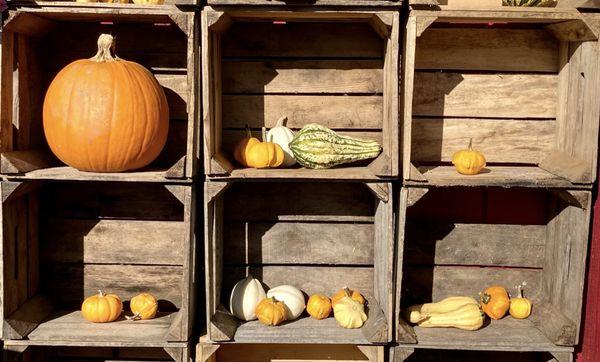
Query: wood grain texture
[[501, 141], [306, 76], [299, 243], [114, 241], [489, 49], [347, 111], [302, 40], [485, 95], [475, 244], [69, 284]]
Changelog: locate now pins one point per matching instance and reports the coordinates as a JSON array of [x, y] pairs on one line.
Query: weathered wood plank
[[510, 141], [291, 352], [299, 243], [94, 200], [305, 76], [335, 202], [69, 283], [490, 49], [310, 279], [302, 39], [485, 95], [113, 241], [475, 244], [351, 111], [425, 284]]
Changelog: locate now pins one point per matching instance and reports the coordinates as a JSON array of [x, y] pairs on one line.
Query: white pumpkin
[[292, 297], [245, 296], [282, 135]]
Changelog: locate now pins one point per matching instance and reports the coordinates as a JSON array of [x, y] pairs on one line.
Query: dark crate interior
[[469, 77], [321, 238], [433, 355], [458, 241], [64, 243], [40, 51], [96, 354], [312, 69]]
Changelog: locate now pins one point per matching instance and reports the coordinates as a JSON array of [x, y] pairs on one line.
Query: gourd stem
[[470, 144], [347, 291], [101, 293], [264, 134], [281, 121], [248, 132], [106, 44]]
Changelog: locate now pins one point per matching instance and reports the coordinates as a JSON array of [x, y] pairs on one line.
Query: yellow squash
[[520, 308], [349, 313], [418, 312], [468, 317], [469, 161]]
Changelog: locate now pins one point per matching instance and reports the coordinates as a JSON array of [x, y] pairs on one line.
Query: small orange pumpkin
[[102, 308], [344, 292], [143, 306], [241, 148], [105, 114], [495, 302], [319, 306], [270, 312]]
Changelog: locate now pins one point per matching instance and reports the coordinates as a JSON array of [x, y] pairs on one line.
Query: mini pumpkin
[[102, 308], [271, 312], [319, 306], [143, 306], [354, 294], [241, 148], [520, 307], [349, 313], [105, 114], [292, 298], [282, 135], [469, 161], [495, 302]]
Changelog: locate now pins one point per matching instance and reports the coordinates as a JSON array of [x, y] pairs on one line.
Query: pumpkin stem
[[134, 317], [281, 121], [106, 43], [248, 132], [470, 144], [264, 134], [101, 293], [347, 291]]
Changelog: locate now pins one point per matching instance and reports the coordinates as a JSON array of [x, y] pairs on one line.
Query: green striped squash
[[528, 2], [316, 146]]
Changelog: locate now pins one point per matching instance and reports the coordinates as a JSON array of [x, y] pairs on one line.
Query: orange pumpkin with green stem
[[495, 302]]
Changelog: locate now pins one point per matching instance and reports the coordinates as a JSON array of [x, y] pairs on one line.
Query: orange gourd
[[469, 161], [102, 308], [495, 302], [241, 148], [105, 114], [270, 312], [354, 294], [143, 306], [319, 306]]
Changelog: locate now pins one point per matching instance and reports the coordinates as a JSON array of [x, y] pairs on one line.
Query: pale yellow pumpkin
[[349, 313], [469, 161]]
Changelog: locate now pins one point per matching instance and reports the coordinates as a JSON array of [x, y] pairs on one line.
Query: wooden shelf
[[505, 176], [71, 326], [507, 334], [339, 173], [69, 173], [304, 330]]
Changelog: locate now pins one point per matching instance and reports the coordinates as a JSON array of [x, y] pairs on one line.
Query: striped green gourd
[[316, 146], [528, 2]]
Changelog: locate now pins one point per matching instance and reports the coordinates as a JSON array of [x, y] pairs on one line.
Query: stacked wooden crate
[[66, 233], [316, 229], [524, 85]]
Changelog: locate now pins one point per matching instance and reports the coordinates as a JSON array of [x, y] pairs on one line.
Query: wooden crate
[[63, 241], [164, 40], [206, 352], [71, 4], [458, 241], [319, 237], [15, 351], [524, 84], [406, 354], [311, 3], [335, 68]]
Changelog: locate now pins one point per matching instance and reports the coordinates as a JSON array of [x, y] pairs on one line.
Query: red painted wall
[[589, 349]]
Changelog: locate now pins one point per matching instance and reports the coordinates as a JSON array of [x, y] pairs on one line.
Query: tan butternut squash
[[418, 312], [468, 317]]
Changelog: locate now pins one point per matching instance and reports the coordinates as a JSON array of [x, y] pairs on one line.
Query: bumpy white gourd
[[245, 296], [282, 135], [292, 297]]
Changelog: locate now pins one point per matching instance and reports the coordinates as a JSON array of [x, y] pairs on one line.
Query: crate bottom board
[[507, 334], [71, 326], [531, 176], [305, 330]]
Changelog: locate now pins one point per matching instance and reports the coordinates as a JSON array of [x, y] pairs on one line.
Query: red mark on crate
[[279, 22], [162, 24], [107, 23]]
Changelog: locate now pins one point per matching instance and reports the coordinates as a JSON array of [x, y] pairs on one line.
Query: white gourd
[[292, 297], [245, 296], [282, 135]]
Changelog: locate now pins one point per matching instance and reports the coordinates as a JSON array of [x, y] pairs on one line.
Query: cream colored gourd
[[292, 297], [349, 313], [245, 296], [282, 136], [418, 312], [468, 317]]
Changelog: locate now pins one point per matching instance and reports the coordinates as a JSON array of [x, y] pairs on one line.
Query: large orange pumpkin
[[105, 114]]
